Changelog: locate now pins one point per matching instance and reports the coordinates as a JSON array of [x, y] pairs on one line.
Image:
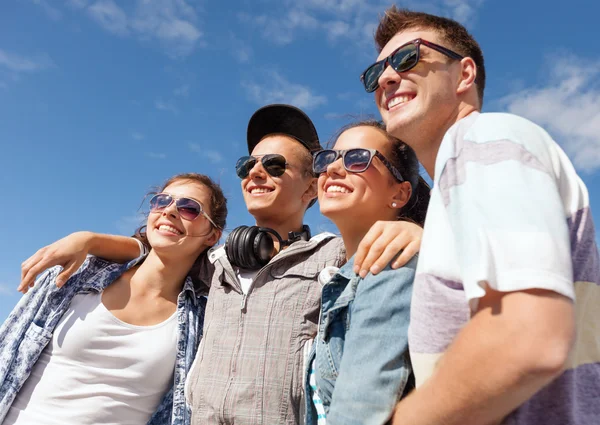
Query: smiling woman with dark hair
[[359, 365], [115, 344]]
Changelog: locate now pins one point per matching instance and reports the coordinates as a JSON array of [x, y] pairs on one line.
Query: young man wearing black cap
[[262, 310], [260, 323]]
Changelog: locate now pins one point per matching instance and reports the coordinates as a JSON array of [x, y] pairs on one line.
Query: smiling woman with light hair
[[114, 345]]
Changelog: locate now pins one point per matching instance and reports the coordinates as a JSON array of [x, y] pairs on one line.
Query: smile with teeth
[[398, 100], [338, 189], [256, 190], [170, 229]]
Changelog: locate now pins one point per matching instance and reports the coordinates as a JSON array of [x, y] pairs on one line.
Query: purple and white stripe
[[454, 173], [584, 251], [438, 312]]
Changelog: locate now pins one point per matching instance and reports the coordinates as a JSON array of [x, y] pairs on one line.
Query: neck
[[352, 234], [282, 227], [161, 277], [427, 143]]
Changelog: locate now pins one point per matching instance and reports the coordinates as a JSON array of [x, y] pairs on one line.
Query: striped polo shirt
[[509, 212]]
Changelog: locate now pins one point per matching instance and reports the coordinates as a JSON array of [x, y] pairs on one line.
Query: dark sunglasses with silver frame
[[402, 59], [273, 163], [356, 160], [188, 208]]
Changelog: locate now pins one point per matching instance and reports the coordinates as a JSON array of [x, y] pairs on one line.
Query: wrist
[[88, 239]]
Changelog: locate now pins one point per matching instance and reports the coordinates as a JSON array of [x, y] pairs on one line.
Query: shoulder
[[400, 276], [496, 126], [490, 139], [327, 247]]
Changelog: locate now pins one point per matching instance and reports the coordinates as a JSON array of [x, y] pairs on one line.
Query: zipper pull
[[244, 298]]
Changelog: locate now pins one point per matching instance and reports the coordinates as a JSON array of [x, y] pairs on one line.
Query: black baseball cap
[[282, 119]]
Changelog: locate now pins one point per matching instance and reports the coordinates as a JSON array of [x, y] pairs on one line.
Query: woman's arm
[[374, 366], [70, 253]]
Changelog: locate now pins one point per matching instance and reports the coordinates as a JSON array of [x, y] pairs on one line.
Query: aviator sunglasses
[[355, 160], [402, 59], [273, 163], [188, 208]]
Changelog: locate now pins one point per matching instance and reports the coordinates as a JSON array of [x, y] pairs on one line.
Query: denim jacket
[[29, 327], [362, 366]]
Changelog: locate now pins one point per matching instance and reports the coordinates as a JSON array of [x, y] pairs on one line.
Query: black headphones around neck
[[252, 247]]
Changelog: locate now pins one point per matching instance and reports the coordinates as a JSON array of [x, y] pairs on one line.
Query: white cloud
[[156, 155], [137, 136], [52, 12], [7, 289], [128, 224], [165, 106], [77, 4], [567, 106], [212, 155], [277, 89], [240, 50], [183, 90], [172, 23], [353, 20], [19, 63], [109, 16], [463, 11]]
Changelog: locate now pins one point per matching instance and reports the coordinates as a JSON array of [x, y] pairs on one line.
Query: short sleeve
[[506, 215]]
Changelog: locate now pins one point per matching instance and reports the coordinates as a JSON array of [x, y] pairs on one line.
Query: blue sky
[[100, 100]]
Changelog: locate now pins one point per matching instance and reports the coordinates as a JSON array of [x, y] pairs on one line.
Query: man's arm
[[384, 241], [70, 253], [514, 345], [507, 217]]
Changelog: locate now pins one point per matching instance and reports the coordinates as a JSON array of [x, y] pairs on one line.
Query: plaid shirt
[[29, 327], [249, 367]]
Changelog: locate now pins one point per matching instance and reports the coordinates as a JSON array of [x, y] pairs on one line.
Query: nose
[[336, 168], [257, 171], [388, 77], [171, 210]]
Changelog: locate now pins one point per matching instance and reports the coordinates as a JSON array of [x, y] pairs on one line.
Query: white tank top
[[98, 370]]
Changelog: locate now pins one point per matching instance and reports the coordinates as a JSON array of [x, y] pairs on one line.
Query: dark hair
[[452, 33], [405, 160], [217, 210]]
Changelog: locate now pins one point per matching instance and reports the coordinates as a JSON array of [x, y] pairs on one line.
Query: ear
[[402, 196], [311, 191], [214, 237], [467, 77]]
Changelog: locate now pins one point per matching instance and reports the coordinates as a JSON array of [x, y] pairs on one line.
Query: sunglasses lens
[[188, 208], [405, 58], [244, 165], [274, 164], [372, 74], [160, 201], [357, 160], [322, 160]]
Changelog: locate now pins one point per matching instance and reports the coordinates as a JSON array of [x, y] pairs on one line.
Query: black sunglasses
[[355, 160], [402, 59], [188, 208], [273, 163]]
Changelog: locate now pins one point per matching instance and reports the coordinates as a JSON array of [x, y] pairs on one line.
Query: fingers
[[365, 246], [380, 254], [70, 268], [383, 242], [30, 268], [407, 254]]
